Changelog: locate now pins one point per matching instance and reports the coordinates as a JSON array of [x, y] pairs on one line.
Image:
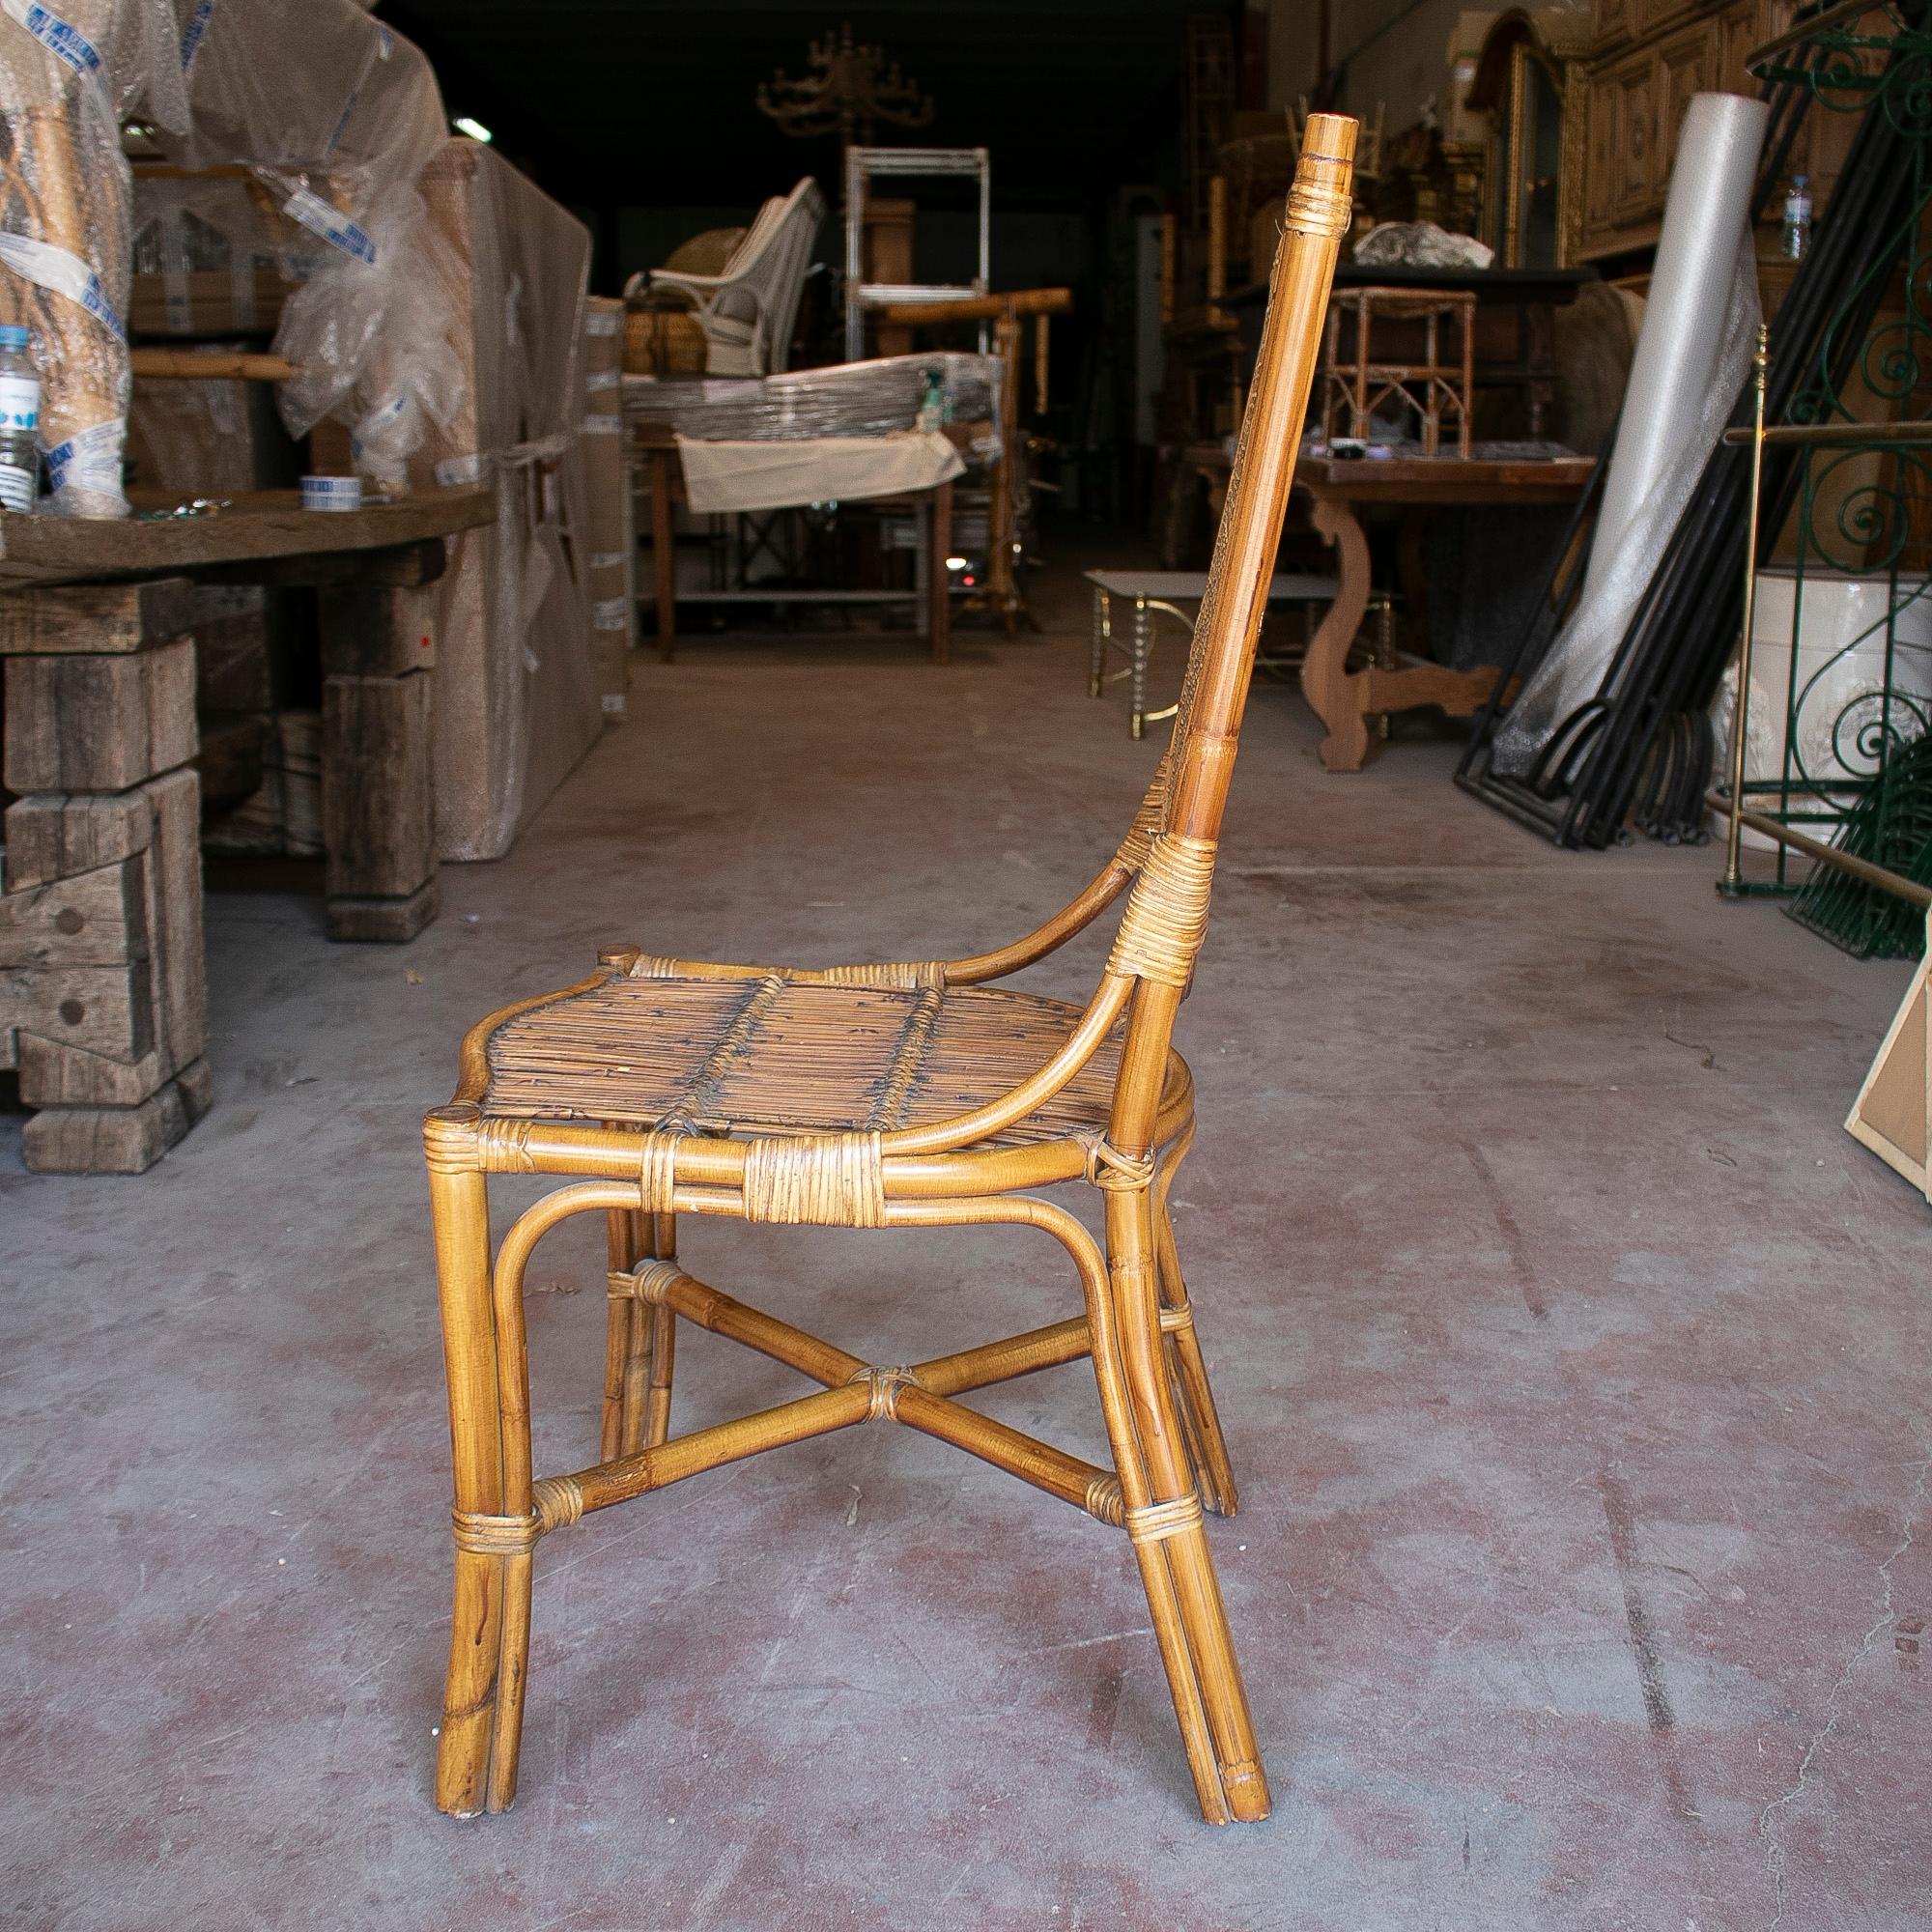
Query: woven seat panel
[[762, 1054]]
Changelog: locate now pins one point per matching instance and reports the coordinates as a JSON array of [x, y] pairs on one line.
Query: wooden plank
[[178, 971], [383, 921], [374, 631], [56, 1074], [95, 618], [104, 1009], [377, 802], [96, 918], [117, 1140], [200, 364], [263, 523], [404, 566], [98, 724], [54, 835], [1892, 1114]]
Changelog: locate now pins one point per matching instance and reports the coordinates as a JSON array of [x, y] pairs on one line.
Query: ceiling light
[[475, 130]]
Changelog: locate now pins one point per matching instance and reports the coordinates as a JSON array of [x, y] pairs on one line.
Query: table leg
[[664, 558], [103, 992], [1097, 656], [1143, 649], [378, 771], [939, 580], [1325, 671]]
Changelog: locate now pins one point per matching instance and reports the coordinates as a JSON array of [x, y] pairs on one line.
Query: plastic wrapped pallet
[[849, 399], [516, 703], [69, 74], [610, 557]]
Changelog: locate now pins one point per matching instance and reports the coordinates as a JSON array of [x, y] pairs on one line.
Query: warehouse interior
[[611, 573]]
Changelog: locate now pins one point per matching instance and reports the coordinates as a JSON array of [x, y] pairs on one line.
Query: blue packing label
[[192, 32], [60, 40], [91, 460], [93, 299], [334, 227]]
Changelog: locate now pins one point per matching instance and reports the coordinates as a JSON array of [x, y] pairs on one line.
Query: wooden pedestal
[[104, 1001]]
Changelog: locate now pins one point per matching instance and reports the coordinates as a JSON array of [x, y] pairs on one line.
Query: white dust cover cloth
[[720, 476]]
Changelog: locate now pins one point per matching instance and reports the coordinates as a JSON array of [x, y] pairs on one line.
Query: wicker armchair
[[903, 1095], [748, 308]]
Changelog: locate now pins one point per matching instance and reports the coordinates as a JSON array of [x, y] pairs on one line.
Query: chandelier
[[848, 92]]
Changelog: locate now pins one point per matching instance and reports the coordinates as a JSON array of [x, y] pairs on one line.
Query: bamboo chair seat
[[660, 1092], [772, 1054]]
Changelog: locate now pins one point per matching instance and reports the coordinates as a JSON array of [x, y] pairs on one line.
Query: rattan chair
[[888, 1096]]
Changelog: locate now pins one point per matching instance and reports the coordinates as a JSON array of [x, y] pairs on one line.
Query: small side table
[[1356, 388], [1161, 592]]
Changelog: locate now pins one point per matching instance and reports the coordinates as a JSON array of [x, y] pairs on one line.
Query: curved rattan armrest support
[[1085, 907], [1103, 1011]]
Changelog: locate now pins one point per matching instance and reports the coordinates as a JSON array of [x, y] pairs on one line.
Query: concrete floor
[[1574, 1359]]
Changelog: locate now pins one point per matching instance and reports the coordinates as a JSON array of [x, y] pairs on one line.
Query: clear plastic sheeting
[[1420, 244], [875, 398], [517, 702], [1691, 358], [335, 118], [69, 74]]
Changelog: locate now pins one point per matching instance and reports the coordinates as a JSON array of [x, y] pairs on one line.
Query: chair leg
[[488, 1643], [652, 1410], [1164, 1520], [626, 1250], [1200, 1420]]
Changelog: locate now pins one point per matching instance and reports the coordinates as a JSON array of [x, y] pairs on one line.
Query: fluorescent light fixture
[[475, 130]]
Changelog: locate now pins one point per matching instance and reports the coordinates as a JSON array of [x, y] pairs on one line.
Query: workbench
[[103, 1004], [654, 447]]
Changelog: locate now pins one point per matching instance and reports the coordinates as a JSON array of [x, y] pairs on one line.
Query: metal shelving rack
[[864, 166]]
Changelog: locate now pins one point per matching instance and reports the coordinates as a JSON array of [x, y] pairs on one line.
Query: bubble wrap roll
[[1691, 357]]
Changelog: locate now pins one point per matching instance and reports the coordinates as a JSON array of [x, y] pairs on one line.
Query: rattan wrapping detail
[[1155, 1523], [826, 1180], [486, 1535], [502, 1147], [1133, 848], [653, 966], [559, 1501], [656, 1172], [1167, 912], [1118, 1173], [1321, 207], [1103, 1500], [883, 1391], [905, 976]]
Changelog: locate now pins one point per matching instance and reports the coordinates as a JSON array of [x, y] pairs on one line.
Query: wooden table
[[1339, 488], [656, 448], [103, 1004]]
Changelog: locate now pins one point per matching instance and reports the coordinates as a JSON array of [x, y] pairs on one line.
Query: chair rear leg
[[1170, 1541], [626, 1249], [649, 1422], [1201, 1421], [488, 1643], [1194, 1396]]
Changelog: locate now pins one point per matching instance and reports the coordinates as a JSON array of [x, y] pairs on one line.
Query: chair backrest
[[764, 279], [1160, 933]]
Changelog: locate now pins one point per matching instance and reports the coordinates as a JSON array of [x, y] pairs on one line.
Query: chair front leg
[[625, 1249], [488, 1643], [1165, 1523]]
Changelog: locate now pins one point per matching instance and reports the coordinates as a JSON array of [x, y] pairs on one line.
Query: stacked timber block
[[377, 746], [103, 1000], [611, 584]]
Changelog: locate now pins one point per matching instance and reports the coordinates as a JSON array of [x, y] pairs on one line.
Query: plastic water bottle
[[932, 405], [20, 422], [1798, 219]]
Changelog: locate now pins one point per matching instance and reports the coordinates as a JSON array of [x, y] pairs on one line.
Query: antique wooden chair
[[902, 1096]]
